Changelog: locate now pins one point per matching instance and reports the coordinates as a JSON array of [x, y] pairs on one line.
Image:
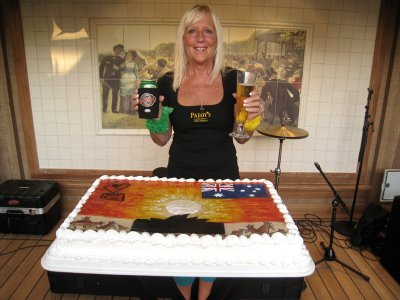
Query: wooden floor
[[22, 277]]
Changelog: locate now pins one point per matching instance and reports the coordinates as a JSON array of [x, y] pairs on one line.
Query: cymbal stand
[[329, 252], [277, 170], [281, 132]]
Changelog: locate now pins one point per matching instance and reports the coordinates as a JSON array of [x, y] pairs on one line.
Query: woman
[[129, 82], [198, 102]]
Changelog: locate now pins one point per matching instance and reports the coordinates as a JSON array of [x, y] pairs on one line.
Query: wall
[[304, 192], [65, 111]]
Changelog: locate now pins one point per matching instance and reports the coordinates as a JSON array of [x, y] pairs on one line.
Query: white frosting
[[273, 251]]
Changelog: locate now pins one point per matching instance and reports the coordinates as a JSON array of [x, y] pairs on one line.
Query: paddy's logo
[[147, 100], [200, 117]]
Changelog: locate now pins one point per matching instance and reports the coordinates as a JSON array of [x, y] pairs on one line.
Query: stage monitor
[[390, 185]]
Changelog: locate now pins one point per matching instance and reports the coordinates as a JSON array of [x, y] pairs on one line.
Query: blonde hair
[[189, 18]]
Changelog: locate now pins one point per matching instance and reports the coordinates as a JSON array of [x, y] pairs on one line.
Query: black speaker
[[390, 256]]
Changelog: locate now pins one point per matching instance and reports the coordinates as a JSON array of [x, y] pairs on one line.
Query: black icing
[[178, 224]]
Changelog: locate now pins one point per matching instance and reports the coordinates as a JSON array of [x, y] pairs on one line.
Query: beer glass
[[246, 82]]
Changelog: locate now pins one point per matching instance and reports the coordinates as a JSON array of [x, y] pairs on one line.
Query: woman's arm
[[161, 139]]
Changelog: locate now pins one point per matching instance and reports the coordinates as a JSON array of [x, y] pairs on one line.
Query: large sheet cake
[[178, 227]]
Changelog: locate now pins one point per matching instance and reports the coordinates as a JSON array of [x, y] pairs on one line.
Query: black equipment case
[[29, 206]]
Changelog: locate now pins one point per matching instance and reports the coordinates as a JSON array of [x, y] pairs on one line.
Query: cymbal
[[282, 131]]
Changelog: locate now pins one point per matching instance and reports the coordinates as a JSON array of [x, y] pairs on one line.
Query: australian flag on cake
[[223, 190]]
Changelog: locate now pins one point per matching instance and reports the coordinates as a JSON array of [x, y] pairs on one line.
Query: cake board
[[155, 287], [107, 278]]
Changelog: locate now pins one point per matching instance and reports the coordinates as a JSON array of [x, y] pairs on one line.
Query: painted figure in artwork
[[110, 76], [129, 82], [283, 98]]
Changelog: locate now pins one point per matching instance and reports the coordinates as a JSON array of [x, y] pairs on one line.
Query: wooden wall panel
[[10, 166], [21, 129], [385, 81]]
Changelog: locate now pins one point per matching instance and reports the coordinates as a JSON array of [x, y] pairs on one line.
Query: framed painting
[[126, 52]]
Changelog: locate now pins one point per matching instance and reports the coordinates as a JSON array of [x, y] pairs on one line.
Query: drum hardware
[[281, 132]]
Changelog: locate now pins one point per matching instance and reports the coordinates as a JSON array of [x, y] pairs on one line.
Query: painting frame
[[153, 42]]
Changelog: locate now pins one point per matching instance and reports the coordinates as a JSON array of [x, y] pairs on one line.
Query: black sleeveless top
[[201, 147]]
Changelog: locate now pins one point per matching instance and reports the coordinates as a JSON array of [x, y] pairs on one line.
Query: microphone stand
[[347, 227], [329, 253]]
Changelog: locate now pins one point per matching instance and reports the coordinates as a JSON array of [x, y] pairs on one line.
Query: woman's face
[[200, 41]]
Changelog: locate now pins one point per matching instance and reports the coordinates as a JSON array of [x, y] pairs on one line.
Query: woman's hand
[[135, 100], [254, 105], [160, 139]]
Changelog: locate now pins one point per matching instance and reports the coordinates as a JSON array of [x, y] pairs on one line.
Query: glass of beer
[[246, 82]]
